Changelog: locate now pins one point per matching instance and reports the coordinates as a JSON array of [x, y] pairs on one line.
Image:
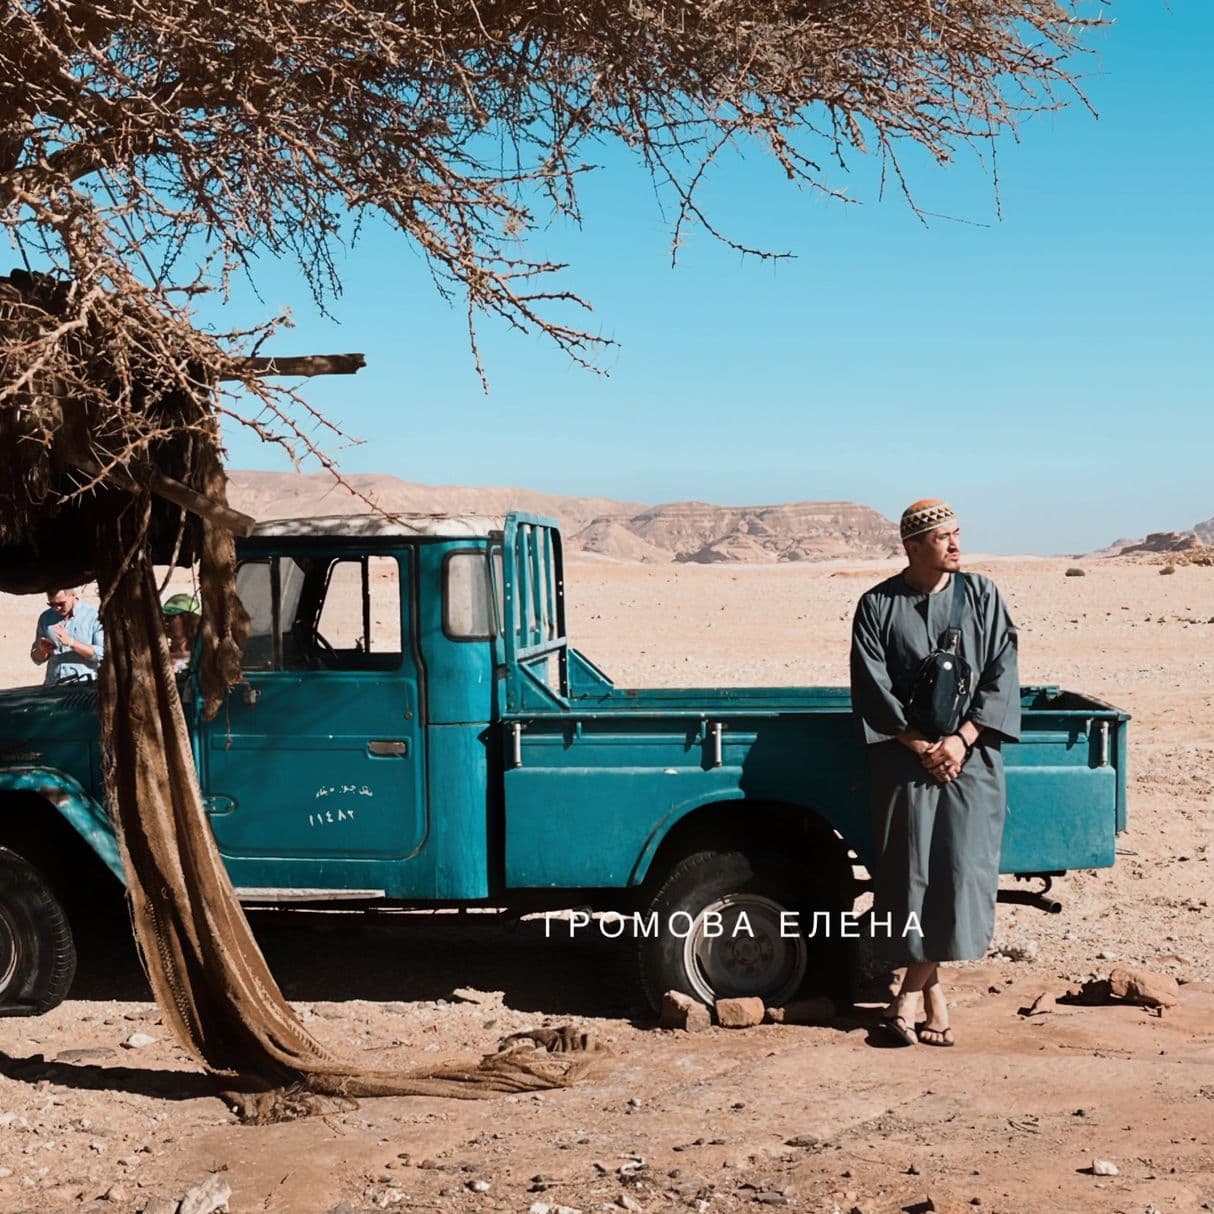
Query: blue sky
[[1049, 371]]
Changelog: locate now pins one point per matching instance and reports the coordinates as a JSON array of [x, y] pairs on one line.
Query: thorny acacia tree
[[134, 133], [150, 149]]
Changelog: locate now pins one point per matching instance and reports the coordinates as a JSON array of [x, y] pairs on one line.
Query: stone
[[629, 1203], [1144, 987], [741, 1013], [819, 1010], [160, 1205], [95, 1054], [1104, 1167], [116, 1193], [479, 1186], [935, 1203], [1040, 1006], [138, 1041], [207, 1197], [469, 994], [681, 1011]]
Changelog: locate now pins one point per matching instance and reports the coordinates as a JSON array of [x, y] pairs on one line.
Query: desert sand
[[809, 1118]]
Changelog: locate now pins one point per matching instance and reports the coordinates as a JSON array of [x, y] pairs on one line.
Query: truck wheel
[[701, 945], [37, 953]]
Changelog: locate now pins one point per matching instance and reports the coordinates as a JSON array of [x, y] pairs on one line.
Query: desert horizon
[[699, 532]]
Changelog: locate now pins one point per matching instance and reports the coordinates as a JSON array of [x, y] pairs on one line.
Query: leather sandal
[[929, 1036], [899, 1028]]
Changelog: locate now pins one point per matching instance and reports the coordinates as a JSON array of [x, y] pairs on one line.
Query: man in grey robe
[[938, 803]]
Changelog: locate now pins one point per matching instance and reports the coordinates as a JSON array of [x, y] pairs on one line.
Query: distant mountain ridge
[[1197, 538], [630, 531], [796, 531]]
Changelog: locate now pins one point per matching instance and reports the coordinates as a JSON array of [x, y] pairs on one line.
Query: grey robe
[[937, 844]]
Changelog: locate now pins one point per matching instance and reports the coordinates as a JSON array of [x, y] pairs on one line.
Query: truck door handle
[[385, 747]]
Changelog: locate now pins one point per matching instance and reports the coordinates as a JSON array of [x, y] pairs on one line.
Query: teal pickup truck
[[414, 729]]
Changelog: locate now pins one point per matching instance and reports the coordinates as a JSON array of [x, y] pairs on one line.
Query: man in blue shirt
[[68, 638]]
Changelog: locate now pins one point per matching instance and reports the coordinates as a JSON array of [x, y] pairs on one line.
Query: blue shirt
[[84, 624]]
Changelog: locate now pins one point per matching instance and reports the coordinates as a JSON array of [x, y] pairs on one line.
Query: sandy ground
[[810, 1118]]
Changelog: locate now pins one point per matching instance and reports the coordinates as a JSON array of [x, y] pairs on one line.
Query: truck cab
[[353, 761]]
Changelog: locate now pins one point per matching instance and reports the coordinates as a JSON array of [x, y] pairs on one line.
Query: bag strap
[[952, 638]]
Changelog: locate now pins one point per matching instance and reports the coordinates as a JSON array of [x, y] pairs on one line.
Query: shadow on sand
[[405, 957]]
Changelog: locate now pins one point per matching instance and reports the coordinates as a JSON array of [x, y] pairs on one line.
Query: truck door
[[313, 770]]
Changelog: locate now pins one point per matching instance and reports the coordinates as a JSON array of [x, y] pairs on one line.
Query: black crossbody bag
[[941, 690]]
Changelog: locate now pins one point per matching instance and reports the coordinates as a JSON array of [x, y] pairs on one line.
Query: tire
[[774, 965], [37, 952]]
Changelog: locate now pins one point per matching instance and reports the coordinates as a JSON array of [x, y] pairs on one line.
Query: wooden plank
[[189, 499], [300, 365], [172, 490]]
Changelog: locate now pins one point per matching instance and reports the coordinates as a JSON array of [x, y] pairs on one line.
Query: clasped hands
[[943, 759]]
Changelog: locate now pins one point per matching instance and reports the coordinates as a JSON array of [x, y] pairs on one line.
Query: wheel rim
[[737, 962], [10, 950]]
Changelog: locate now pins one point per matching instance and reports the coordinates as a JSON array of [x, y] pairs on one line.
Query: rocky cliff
[[1193, 542], [800, 531]]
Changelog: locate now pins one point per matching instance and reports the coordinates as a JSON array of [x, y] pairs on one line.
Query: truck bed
[[623, 765], [776, 701]]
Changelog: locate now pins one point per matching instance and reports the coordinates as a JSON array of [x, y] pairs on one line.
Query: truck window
[[360, 614], [468, 613], [254, 588], [332, 613]]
